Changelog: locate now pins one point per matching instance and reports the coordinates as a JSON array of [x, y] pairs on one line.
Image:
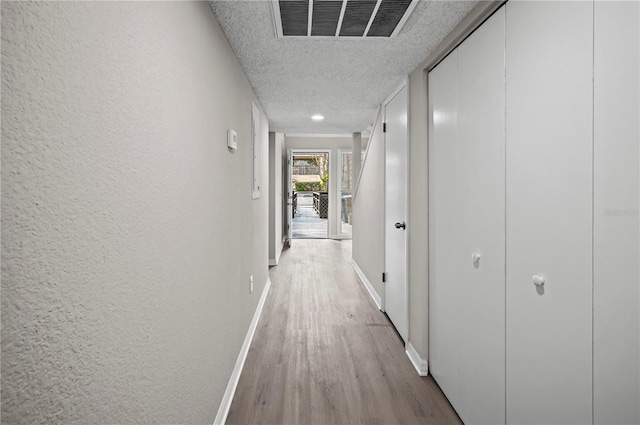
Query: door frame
[[292, 152], [404, 84], [289, 205], [339, 233]]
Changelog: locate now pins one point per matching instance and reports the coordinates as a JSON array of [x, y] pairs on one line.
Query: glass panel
[[346, 189]]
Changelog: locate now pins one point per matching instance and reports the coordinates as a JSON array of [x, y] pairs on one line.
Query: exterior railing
[[321, 203], [305, 170]]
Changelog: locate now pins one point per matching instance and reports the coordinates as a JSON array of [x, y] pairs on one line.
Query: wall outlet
[[251, 284]]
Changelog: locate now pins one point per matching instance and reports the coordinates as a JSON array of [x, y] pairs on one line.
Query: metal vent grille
[[341, 18]]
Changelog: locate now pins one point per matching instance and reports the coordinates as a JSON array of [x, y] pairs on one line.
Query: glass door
[[346, 191]]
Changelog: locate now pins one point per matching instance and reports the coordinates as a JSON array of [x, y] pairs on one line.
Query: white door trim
[[289, 207], [404, 84], [339, 233]]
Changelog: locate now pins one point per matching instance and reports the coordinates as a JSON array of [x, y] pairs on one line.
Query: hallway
[[324, 354]]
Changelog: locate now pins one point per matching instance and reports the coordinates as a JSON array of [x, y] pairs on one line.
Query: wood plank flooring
[[324, 354]]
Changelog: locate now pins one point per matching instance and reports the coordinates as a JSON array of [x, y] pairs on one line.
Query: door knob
[[538, 280], [401, 225], [475, 257]]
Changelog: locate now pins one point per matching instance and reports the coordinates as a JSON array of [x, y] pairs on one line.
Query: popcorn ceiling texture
[[344, 79], [128, 232]]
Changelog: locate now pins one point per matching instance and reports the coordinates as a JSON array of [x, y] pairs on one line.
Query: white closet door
[[616, 180], [549, 92], [481, 183], [443, 222]]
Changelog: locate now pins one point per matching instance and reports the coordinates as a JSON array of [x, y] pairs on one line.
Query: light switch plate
[[232, 139]]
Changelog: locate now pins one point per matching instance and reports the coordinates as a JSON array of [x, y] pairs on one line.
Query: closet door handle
[[401, 225], [538, 280]]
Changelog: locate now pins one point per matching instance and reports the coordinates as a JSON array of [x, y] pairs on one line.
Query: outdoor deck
[[306, 223]]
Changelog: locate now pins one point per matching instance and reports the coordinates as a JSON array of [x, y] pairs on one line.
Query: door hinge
[[384, 277], [384, 127]]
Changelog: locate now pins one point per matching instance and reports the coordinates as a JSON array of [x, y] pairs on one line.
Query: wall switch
[[232, 139], [251, 284]]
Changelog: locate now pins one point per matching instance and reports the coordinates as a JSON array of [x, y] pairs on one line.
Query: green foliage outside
[[309, 187], [324, 181], [322, 162]]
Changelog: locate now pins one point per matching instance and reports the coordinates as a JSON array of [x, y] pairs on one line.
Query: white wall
[[367, 211], [129, 232], [276, 152], [333, 144]]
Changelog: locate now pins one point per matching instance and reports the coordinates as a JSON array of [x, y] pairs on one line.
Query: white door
[[395, 288], [289, 186], [467, 225], [549, 95], [480, 250], [616, 355], [443, 226]]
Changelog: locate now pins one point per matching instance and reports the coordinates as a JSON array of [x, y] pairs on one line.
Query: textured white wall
[[367, 211], [128, 232]]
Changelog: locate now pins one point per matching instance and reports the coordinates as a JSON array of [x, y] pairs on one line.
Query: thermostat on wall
[[232, 139]]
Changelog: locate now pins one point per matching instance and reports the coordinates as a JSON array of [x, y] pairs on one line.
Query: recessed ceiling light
[[317, 117]]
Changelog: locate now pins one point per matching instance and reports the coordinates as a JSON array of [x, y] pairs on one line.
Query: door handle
[[538, 280], [401, 225]]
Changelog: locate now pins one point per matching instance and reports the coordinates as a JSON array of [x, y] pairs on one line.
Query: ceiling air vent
[[341, 18]]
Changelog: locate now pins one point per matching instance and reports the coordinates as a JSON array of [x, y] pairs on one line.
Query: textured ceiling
[[343, 79]]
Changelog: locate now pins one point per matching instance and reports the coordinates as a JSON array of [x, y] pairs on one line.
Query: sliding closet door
[[443, 222], [616, 235], [480, 249], [549, 92]]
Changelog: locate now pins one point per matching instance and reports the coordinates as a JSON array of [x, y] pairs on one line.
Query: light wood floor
[[324, 354]]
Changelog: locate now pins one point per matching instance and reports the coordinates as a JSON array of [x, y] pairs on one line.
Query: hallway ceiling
[[343, 78]]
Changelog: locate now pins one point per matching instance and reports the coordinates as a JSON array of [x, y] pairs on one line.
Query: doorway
[[395, 213], [310, 194]]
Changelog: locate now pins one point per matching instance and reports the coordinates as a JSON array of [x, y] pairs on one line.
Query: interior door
[[480, 249], [443, 226], [616, 256], [395, 289], [549, 174], [289, 187]]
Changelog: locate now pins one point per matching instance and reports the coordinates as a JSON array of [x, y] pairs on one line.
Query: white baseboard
[[273, 262], [367, 284], [419, 363], [225, 405], [340, 237]]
